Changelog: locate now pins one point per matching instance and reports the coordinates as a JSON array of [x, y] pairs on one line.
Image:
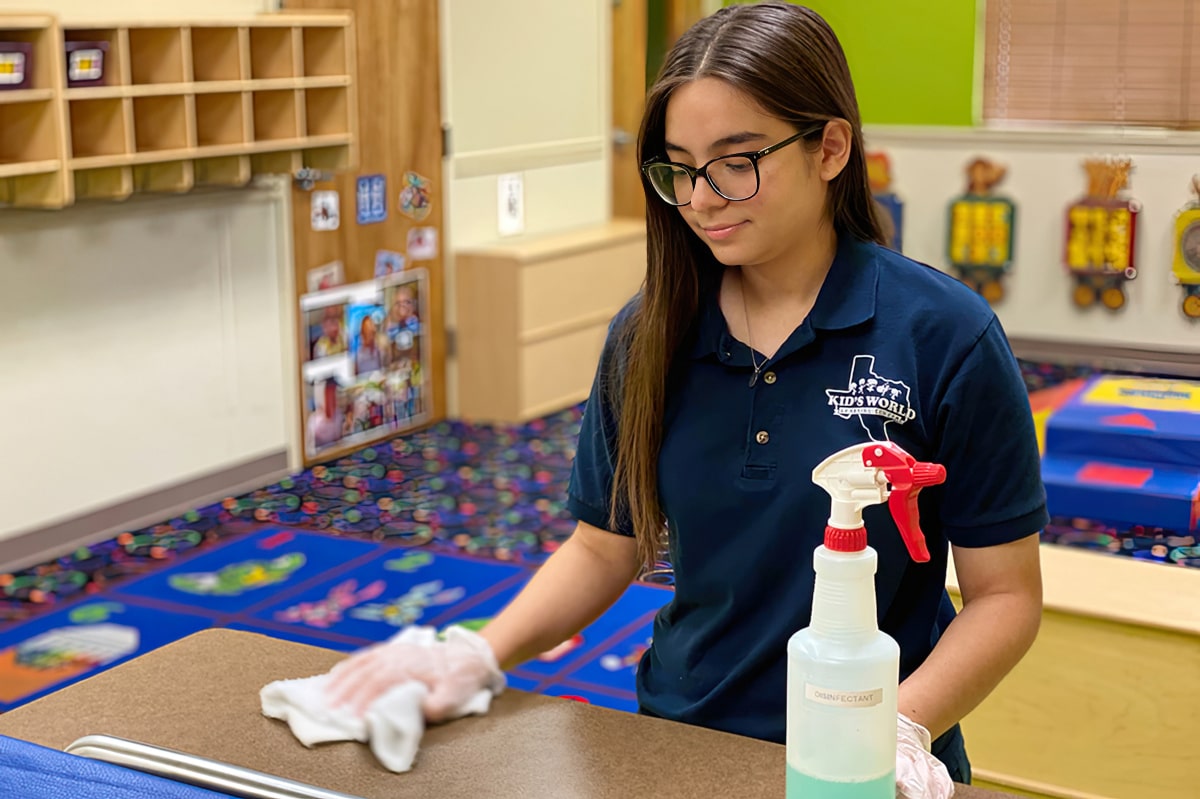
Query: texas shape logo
[[875, 400]]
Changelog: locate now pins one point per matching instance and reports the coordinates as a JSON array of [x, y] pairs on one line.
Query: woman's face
[[708, 118]]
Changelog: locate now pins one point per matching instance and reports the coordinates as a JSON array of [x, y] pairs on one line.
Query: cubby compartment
[[108, 183], [170, 177], [327, 111], [228, 171], [325, 51], [98, 127], [272, 53], [217, 54], [29, 136], [160, 123], [27, 63], [156, 55], [221, 119], [95, 57], [16, 65], [276, 116]]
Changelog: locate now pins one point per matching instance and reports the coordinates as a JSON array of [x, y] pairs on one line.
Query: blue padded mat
[[29, 771]]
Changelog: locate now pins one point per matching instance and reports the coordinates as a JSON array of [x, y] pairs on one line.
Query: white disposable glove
[[461, 673], [919, 775]]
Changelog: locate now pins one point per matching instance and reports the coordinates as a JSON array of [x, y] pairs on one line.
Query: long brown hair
[[788, 59]]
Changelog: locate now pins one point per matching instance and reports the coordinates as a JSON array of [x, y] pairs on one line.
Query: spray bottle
[[843, 672]]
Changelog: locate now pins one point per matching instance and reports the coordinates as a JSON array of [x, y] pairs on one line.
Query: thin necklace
[[749, 336]]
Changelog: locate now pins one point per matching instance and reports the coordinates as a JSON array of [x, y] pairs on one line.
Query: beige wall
[[526, 89], [142, 348]]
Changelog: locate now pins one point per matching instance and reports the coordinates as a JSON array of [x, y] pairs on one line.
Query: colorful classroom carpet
[[331, 591], [440, 526]]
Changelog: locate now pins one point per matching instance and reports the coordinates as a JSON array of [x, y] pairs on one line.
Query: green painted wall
[[913, 61]]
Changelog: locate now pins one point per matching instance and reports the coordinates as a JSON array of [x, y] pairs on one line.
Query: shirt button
[[762, 437], [769, 377]]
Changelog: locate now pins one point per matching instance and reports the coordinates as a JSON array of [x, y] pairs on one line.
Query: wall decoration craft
[[982, 228], [1101, 236], [366, 366], [1186, 266], [879, 176]]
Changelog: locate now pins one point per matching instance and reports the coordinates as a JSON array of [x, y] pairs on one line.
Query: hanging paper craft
[[1187, 253], [879, 176], [1101, 235], [415, 196], [982, 228]]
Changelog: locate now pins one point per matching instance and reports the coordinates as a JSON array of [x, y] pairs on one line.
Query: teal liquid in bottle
[[802, 786]]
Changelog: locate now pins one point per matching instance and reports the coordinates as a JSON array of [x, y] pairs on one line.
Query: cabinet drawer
[[560, 294], [557, 372]]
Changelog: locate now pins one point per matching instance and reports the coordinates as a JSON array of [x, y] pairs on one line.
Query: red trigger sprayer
[[843, 672]]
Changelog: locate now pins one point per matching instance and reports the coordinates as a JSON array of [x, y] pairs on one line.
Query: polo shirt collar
[[846, 298]]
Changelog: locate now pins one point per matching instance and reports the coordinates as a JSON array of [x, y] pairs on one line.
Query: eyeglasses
[[734, 177]]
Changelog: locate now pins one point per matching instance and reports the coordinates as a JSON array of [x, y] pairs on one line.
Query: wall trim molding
[[1105, 356], [1070, 137], [36, 546], [501, 160]]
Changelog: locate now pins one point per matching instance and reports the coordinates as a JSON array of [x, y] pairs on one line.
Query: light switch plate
[[511, 204]]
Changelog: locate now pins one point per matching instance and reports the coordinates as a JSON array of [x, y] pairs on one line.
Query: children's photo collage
[[364, 370]]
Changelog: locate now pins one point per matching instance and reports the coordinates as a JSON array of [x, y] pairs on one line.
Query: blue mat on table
[[29, 771]]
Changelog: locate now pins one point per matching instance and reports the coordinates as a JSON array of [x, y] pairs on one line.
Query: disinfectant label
[[831, 696]]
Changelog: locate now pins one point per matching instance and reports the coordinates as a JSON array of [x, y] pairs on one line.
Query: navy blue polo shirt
[[892, 350]]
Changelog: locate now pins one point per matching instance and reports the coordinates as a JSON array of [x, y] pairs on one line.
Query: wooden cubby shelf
[[32, 137], [113, 109]]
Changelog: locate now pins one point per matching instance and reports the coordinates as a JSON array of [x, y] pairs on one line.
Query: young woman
[[769, 309]]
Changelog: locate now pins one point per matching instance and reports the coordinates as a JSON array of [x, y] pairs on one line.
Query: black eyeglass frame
[[702, 171]]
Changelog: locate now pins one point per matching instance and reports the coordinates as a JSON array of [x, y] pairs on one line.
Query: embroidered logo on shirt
[[874, 399]]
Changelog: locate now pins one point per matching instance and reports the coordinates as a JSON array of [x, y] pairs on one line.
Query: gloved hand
[[461, 673], [919, 775]]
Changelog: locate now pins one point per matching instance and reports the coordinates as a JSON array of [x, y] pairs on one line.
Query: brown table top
[[200, 695]]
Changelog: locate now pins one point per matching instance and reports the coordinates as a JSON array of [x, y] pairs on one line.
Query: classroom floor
[[437, 527]]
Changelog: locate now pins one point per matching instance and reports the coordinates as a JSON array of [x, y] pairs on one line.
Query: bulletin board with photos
[[366, 361], [367, 238]]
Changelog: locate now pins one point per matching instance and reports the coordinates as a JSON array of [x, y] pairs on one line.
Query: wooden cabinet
[[154, 107], [533, 315], [1102, 704]]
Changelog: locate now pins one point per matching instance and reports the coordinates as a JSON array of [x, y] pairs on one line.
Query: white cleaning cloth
[[392, 725]]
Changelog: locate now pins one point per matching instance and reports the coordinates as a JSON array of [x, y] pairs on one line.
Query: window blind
[[1126, 62]]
